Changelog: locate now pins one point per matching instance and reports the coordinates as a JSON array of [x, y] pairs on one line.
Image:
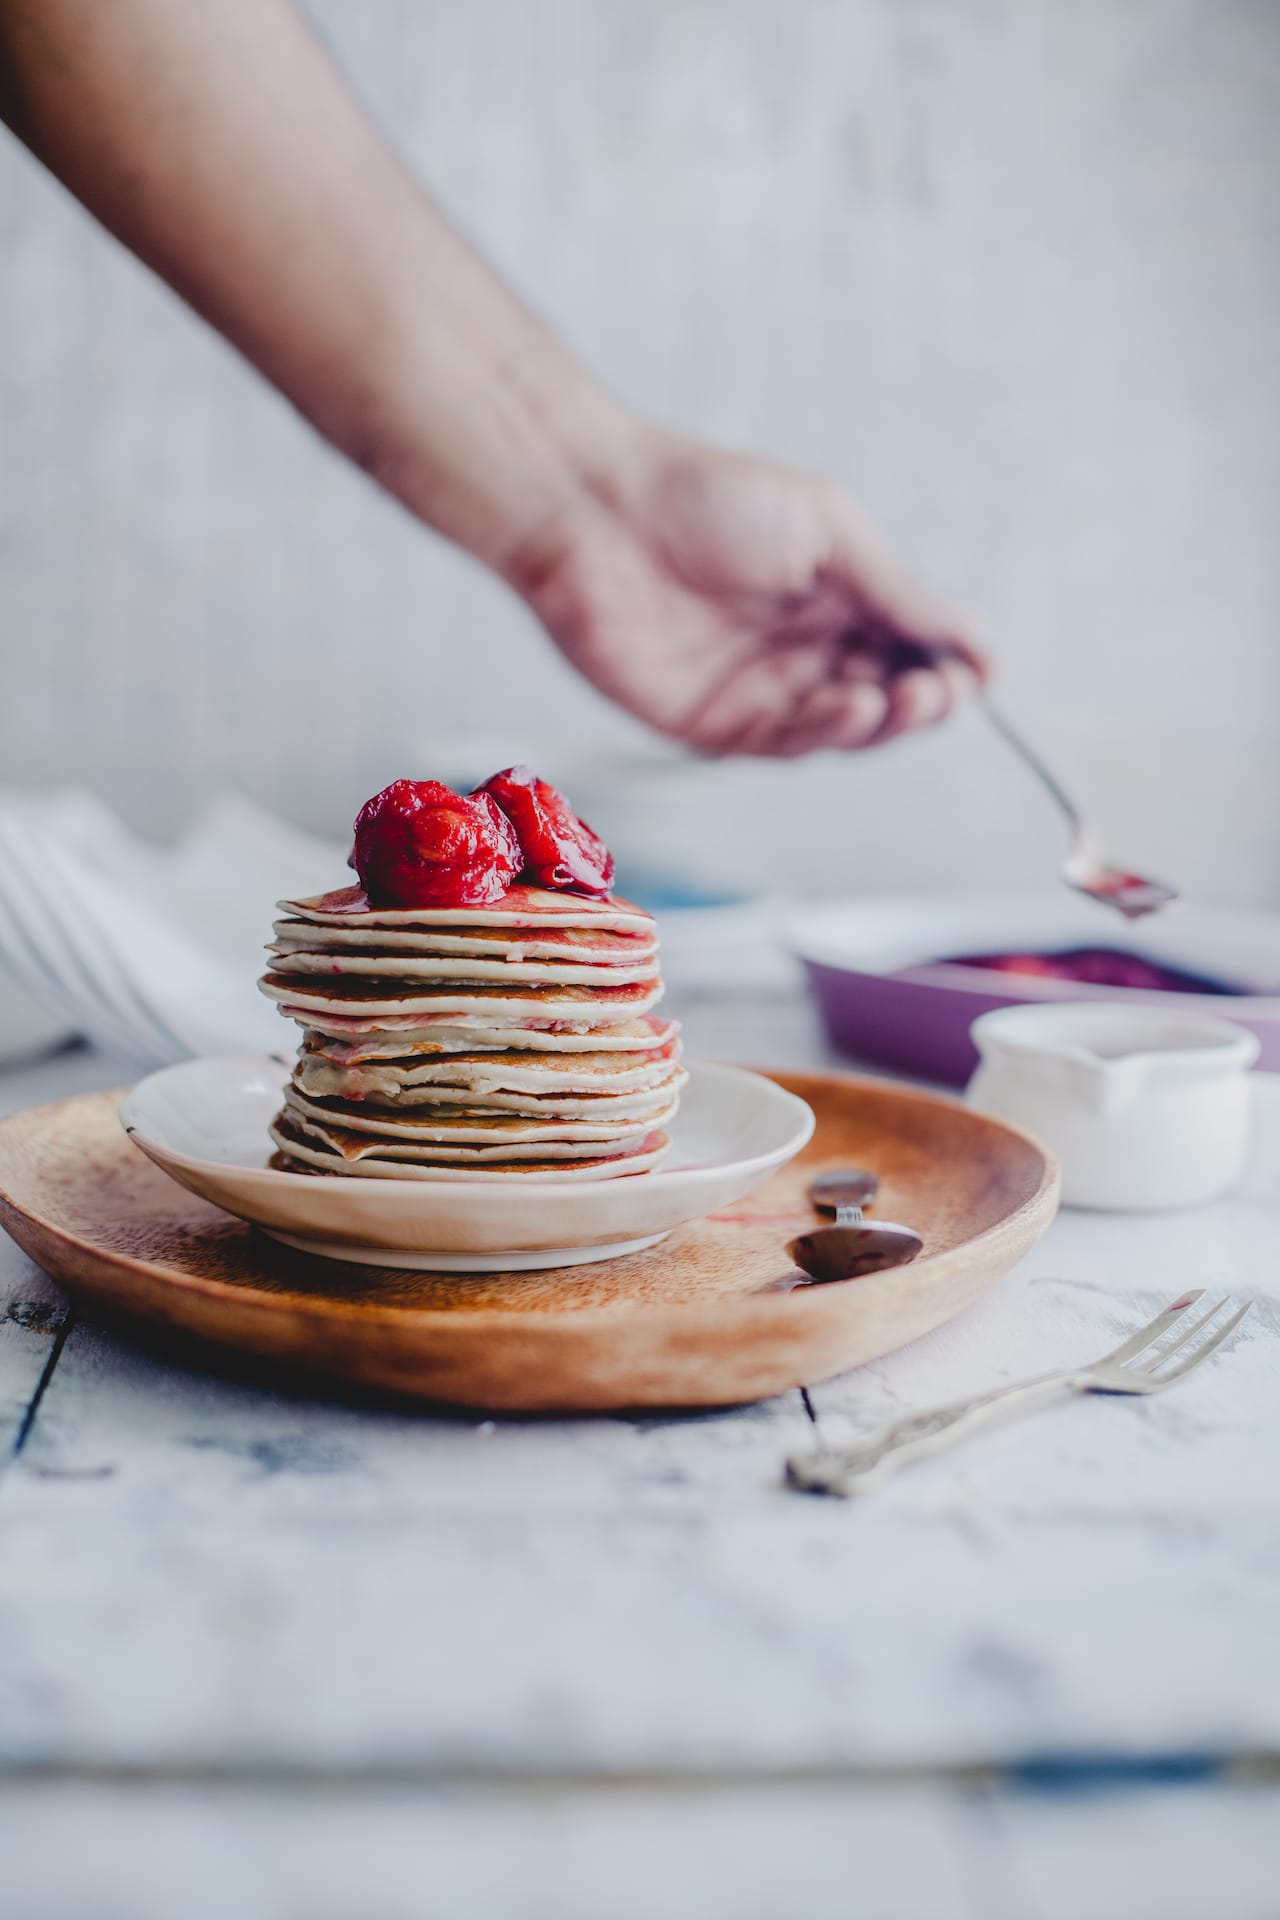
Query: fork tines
[[1149, 1352]]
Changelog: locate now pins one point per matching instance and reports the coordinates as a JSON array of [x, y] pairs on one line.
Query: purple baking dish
[[886, 997]]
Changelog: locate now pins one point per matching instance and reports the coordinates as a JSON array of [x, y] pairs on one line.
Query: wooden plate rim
[[756, 1306]]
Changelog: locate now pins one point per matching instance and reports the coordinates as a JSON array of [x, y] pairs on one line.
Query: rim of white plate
[[672, 1178]]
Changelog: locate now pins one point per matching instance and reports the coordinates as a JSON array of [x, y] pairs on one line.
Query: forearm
[[727, 602], [219, 144]]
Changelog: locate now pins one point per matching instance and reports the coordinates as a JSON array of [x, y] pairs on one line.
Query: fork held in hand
[[1140, 1365]]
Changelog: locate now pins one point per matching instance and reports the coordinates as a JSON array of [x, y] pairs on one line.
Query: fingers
[[750, 705], [924, 697], [915, 699], [861, 707], [851, 688], [792, 701], [841, 716], [804, 702]]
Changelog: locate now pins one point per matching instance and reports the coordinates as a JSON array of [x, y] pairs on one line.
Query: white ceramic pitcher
[[1143, 1108]]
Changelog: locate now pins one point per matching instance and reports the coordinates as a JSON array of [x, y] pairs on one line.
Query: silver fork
[[1139, 1365]]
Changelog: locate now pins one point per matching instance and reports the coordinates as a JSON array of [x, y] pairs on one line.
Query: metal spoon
[[850, 1248], [1084, 868], [1131, 894]]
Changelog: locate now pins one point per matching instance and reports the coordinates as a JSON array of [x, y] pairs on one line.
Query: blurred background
[[1008, 270]]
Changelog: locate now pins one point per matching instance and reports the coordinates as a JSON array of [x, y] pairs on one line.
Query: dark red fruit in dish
[[559, 849], [1098, 967], [419, 844]]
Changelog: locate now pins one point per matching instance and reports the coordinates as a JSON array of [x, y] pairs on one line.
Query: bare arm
[[728, 602]]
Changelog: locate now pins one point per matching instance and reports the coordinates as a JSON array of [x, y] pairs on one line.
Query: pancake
[[300, 1154], [376, 964], [434, 1105], [391, 1081], [518, 907], [586, 946], [370, 999], [514, 1156], [426, 1136], [473, 1043], [351, 1042], [460, 1125]]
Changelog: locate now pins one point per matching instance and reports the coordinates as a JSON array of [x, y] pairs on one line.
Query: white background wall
[[1009, 270]]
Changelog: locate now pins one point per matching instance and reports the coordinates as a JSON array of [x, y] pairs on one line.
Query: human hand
[[743, 607], [727, 602]]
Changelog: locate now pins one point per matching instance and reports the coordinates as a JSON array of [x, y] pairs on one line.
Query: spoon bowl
[[1128, 893], [1132, 894], [848, 1252]]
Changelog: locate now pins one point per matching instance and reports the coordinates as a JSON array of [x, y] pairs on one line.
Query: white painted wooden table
[[269, 1654]]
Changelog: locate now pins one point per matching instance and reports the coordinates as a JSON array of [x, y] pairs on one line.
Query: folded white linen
[[151, 953]]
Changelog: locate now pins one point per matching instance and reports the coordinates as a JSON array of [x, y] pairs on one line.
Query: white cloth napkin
[[152, 953]]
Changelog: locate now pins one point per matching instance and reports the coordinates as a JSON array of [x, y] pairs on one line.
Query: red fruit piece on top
[[559, 850], [419, 844]]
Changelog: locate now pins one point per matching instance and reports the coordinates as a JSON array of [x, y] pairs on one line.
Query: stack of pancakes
[[446, 1043]]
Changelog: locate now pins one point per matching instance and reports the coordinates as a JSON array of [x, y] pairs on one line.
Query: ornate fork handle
[[854, 1469]]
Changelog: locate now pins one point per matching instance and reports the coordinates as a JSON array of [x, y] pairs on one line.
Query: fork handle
[[856, 1469]]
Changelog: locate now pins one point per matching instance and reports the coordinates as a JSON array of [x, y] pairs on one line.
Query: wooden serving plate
[[709, 1318]]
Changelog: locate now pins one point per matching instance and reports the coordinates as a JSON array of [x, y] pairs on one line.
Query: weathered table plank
[[309, 1583], [33, 1314], [898, 1852], [32, 1309], [623, 1853]]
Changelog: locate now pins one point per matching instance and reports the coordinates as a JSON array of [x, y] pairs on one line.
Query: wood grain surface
[[711, 1317]]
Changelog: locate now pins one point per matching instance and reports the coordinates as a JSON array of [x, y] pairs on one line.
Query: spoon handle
[[1017, 742], [1015, 739], [856, 1469]]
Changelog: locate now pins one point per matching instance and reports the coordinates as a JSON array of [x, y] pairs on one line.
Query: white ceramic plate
[[205, 1123]]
